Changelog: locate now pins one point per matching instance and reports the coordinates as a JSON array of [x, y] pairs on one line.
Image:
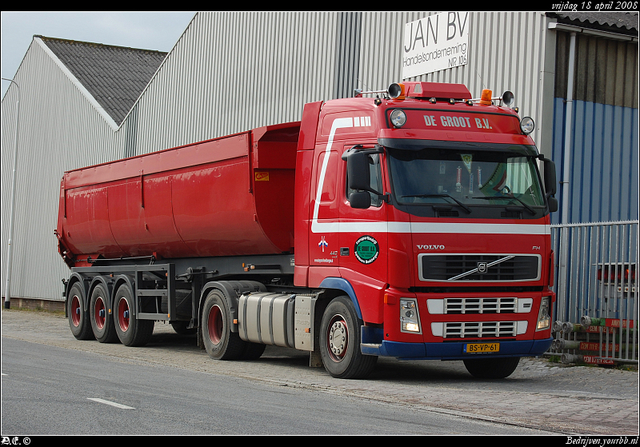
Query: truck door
[[363, 235], [323, 239]]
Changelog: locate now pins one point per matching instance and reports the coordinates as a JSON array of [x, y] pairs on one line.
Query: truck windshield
[[474, 183]]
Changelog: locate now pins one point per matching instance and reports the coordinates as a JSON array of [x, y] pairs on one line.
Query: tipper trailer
[[411, 223]]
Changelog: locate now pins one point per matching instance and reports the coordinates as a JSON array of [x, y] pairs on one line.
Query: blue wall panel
[[603, 181]]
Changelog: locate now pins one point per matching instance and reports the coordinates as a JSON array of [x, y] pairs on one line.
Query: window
[[467, 179]]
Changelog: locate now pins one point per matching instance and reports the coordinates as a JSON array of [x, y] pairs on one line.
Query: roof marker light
[[485, 99]]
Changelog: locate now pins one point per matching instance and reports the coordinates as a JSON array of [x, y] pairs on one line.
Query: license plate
[[479, 348]]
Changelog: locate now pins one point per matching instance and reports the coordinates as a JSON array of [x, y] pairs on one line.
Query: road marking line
[[113, 404]]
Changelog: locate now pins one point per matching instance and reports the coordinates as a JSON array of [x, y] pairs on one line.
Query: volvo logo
[[481, 268]]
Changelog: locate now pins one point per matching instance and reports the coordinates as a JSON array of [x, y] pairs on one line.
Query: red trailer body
[[223, 197], [413, 226]]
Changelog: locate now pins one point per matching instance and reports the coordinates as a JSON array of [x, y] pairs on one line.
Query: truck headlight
[[527, 125], [544, 314], [409, 315], [398, 118]]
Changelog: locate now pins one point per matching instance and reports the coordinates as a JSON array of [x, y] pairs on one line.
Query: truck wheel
[[101, 318], [78, 315], [180, 327], [130, 330], [219, 342], [253, 351], [492, 368], [340, 342]]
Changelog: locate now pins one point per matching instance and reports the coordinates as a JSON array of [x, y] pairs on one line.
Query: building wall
[[59, 130], [602, 184], [506, 52], [230, 72], [233, 71]]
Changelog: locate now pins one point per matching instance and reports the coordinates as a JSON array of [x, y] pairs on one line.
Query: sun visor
[[417, 145]]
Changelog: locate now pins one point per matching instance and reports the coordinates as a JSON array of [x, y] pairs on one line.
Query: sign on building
[[435, 43]]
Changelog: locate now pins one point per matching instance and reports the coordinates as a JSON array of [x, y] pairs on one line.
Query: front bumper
[[454, 350]]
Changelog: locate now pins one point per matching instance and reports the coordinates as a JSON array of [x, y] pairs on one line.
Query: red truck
[[411, 223]]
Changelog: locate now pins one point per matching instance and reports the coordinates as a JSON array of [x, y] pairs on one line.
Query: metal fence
[[597, 297]]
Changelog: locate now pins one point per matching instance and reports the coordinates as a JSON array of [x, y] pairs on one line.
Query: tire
[[340, 342], [253, 351], [100, 316], [180, 328], [496, 368], [130, 331], [77, 314], [219, 341]]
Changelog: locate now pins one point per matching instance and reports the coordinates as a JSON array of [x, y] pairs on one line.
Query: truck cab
[[427, 208]]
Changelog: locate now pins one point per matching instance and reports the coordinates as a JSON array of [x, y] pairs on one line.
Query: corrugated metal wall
[[603, 179], [213, 84], [234, 71], [506, 52], [59, 130], [229, 72]]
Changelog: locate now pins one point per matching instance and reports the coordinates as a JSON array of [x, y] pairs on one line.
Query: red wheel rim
[[100, 313], [75, 310], [215, 323], [337, 338], [123, 314]]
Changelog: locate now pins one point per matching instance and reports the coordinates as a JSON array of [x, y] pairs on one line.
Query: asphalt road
[[50, 390], [55, 384]]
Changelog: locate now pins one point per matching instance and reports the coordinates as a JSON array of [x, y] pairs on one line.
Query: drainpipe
[[7, 293], [566, 174], [567, 131]]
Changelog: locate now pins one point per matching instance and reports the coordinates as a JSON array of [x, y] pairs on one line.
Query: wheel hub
[[75, 311], [338, 338], [100, 313]]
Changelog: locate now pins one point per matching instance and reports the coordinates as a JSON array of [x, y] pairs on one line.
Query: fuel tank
[[227, 196]]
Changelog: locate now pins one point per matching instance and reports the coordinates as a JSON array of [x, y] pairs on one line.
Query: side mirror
[[550, 183], [359, 177], [358, 171], [360, 200]]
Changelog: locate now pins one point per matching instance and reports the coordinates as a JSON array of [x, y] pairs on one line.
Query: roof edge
[[160, 67], [624, 22], [98, 44], [76, 82]]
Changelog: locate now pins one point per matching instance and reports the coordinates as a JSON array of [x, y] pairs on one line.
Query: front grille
[[479, 267], [480, 305], [480, 329]]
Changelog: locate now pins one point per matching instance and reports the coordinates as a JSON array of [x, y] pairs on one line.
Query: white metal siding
[[235, 71], [506, 52], [59, 130]]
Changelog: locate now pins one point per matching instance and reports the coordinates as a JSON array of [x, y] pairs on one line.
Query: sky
[[145, 29]]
